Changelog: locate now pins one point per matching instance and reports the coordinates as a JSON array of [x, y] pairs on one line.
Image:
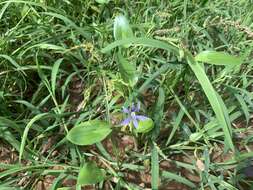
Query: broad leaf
[[218, 58], [145, 126], [90, 174], [89, 132], [122, 29]]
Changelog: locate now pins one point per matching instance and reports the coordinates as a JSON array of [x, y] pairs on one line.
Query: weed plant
[[69, 67]]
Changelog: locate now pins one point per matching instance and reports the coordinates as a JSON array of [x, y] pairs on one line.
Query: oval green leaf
[[90, 174], [89, 132], [218, 58], [145, 126]]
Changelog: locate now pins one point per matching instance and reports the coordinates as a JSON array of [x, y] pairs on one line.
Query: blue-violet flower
[[132, 117]]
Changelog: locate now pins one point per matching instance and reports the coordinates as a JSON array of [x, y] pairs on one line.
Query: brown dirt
[[7, 154]]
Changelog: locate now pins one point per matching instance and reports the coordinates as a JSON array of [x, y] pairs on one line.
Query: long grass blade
[[154, 167], [27, 128], [214, 99]]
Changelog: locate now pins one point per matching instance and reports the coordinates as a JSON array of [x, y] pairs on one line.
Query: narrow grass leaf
[[185, 110], [29, 106], [3, 9], [158, 113], [41, 5], [178, 178], [161, 70], [143, 42], [10, 124], [176, 125], [69, 22], [57, 182], [12, 61], [154, 168], [244, 107], [27, 128], [12, 169], [9, 137], [54, 73], [214, 99]]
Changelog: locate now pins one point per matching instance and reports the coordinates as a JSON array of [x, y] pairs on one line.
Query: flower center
[[133, 114]]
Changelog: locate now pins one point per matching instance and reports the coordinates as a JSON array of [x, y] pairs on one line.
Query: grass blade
[[27, 128], [178, 178], [3, 9], [154, 168], [14, 63], [141, 41], [214, 99], [54, 73], [176, 125], [158, 113]]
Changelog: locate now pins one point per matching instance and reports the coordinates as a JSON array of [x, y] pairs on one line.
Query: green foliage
[[215, 100], [68, 67], [127, 71], [154, 167], [89, 132], [103, 1], [145, 126], [90, 174], [218, 58], [122, 29]]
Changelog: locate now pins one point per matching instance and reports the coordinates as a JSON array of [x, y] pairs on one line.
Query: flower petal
[[141, 117], [133, 108], [125, 110], [126, 121], [135, 122]]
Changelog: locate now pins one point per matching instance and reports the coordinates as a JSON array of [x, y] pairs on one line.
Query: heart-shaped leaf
[[122, 29], [90, 174], [89, 132], [127, 70], [218, 58], [145, 126]]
